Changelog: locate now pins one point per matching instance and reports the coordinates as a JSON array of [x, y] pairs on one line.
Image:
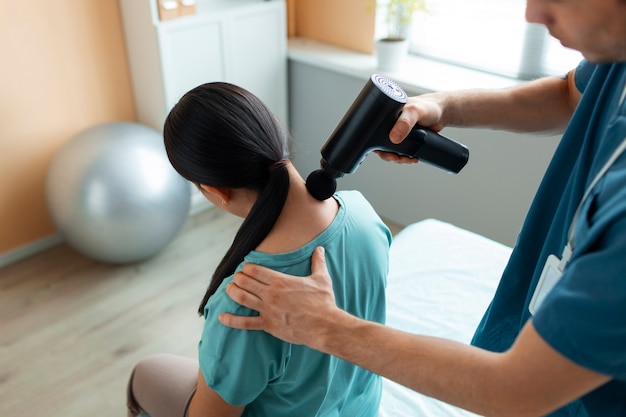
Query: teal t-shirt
[[275, 378], [584, 316]]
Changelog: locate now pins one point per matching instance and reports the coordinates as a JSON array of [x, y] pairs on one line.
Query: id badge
[[549, 277]]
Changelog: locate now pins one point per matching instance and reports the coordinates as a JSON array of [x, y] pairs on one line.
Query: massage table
[[440, 282]]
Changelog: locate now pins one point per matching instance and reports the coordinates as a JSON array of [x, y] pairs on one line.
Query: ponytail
[[221, 135], [253, 230]]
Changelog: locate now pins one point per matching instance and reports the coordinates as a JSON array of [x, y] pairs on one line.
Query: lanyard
[[571, 234], [554, 267]]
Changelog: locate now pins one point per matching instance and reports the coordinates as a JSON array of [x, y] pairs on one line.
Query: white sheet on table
[[440, 282]]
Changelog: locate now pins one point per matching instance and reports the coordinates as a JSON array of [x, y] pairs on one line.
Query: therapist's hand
[[424, 110], [294, 309]]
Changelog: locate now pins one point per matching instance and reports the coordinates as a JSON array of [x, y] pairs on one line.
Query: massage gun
[[366, 126]]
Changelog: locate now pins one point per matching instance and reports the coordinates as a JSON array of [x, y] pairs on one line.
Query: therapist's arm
[[530, 379], [540, 106]]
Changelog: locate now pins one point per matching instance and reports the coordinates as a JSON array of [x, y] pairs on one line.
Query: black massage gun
[[366, 126]]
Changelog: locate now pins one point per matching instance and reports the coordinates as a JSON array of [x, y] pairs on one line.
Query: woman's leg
[[162, 386]]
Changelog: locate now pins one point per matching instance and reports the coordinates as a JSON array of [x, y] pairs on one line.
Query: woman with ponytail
[[225, 140]]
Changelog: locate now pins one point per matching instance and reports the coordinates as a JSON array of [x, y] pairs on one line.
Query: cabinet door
[[257, 56], [190, 55]]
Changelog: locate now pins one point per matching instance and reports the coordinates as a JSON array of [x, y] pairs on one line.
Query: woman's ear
[[223, 193]]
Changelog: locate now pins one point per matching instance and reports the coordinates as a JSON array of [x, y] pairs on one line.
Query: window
[[489, 35]]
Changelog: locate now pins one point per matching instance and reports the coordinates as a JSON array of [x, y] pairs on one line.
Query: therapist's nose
[[538, 11]]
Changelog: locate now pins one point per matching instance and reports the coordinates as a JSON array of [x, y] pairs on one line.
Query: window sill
[[419, 75]]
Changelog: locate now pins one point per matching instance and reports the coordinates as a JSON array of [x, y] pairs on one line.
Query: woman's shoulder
[[356, 206], [220, 302]]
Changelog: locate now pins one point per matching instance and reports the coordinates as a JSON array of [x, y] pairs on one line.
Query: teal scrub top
[[584, 316]]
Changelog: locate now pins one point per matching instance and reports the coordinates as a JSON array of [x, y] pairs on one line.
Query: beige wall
[[346, 23], [63, 68]]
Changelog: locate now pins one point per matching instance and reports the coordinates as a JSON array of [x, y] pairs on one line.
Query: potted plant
[[393, 47]]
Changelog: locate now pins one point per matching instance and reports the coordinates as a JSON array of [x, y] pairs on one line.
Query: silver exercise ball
[[113, 194]]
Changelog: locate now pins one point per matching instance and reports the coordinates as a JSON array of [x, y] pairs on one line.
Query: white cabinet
[[240, 41], [191, 55]]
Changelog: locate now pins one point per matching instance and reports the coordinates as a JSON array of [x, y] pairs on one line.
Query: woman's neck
[[302, 219]]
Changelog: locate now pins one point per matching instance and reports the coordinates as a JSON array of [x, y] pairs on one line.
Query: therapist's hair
[[222, 135]]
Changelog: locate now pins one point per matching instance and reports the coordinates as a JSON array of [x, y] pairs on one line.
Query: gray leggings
[[162, 386]]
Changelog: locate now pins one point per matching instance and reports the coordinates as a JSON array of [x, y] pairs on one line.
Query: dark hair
[[221, 135]]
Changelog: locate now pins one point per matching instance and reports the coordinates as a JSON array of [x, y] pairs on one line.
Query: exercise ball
[[113, 195]]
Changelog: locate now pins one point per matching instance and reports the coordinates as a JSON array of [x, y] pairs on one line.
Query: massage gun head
[[321, 185]]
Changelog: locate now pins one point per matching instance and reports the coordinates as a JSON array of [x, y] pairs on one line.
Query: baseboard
[[29, 249]]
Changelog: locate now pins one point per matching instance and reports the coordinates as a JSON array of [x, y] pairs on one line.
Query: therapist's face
[[596, 28]]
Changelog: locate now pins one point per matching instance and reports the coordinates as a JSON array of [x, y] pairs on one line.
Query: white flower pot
[[391, 53]]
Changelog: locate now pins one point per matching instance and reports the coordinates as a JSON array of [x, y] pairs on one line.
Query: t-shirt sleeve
[[238, 364], [582, 74]]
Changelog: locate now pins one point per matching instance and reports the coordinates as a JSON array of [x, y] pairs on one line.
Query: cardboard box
[[168, 9], [186, 7]]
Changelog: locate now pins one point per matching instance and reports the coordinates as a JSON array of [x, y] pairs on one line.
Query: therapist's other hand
[[393, 157], [290, 308]]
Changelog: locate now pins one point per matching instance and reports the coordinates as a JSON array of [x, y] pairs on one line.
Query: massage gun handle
[[433, 148]]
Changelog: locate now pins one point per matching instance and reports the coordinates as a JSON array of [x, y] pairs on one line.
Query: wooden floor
[[71, 329]]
